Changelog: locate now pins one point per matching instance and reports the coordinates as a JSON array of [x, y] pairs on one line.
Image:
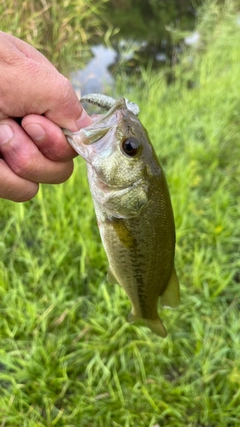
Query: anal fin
[[171, 295], [110, 277]]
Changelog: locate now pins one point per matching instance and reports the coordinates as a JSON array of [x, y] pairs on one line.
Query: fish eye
[[131, 146]]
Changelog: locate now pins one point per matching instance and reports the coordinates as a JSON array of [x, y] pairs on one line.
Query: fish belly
[[140, 252]]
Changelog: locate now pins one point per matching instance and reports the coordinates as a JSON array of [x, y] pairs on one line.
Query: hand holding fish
[[31, 88]]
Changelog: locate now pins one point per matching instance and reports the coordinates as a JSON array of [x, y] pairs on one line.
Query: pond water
[[143, 37], [99, 74], [96, 77]]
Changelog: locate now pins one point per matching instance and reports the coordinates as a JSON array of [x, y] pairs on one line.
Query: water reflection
[[95, 77], [144, 40], [127, 56]]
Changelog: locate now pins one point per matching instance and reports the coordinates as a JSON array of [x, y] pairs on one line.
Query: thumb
[[64, 108], [29, 83]]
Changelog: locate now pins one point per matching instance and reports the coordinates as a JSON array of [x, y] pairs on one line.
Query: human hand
[[35, 151]]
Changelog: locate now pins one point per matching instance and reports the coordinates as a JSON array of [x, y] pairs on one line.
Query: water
[[98, 75], [143, 37], [95, 77]]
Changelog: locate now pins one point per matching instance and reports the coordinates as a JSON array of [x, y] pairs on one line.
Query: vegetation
[[60, 29], [67, 356], [147, 20]]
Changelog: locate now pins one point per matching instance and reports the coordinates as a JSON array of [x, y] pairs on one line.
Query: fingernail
[[84, 120], [6, 134], [35, 131]]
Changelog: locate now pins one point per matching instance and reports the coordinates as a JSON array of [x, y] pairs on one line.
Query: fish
[[133, 210]]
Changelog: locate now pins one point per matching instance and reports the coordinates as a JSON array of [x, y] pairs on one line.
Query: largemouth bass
[[133, 210]]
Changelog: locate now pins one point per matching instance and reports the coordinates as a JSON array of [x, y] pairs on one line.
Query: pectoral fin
[[171, 295], [123, 233], [156, 325]]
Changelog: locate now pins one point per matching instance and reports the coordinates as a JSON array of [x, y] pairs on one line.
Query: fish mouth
[[84, 141]]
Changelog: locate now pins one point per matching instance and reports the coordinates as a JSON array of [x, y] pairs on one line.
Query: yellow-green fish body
[[133, 210]]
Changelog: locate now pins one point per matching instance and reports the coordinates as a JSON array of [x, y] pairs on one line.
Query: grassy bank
[[67, 356]]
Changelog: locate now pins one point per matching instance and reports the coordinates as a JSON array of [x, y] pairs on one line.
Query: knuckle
[[23, 166], [66, 84], [68, 97]]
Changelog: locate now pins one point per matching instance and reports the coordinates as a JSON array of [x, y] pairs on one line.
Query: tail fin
[[156, 325]]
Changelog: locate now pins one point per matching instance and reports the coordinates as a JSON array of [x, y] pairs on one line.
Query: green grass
[[67, 355]]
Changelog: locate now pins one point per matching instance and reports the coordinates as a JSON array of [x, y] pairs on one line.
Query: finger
[[14, 188], [38, 86], [24, 158], [48, 137]]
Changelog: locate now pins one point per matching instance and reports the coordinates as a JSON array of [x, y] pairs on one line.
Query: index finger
[[48, 137]]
